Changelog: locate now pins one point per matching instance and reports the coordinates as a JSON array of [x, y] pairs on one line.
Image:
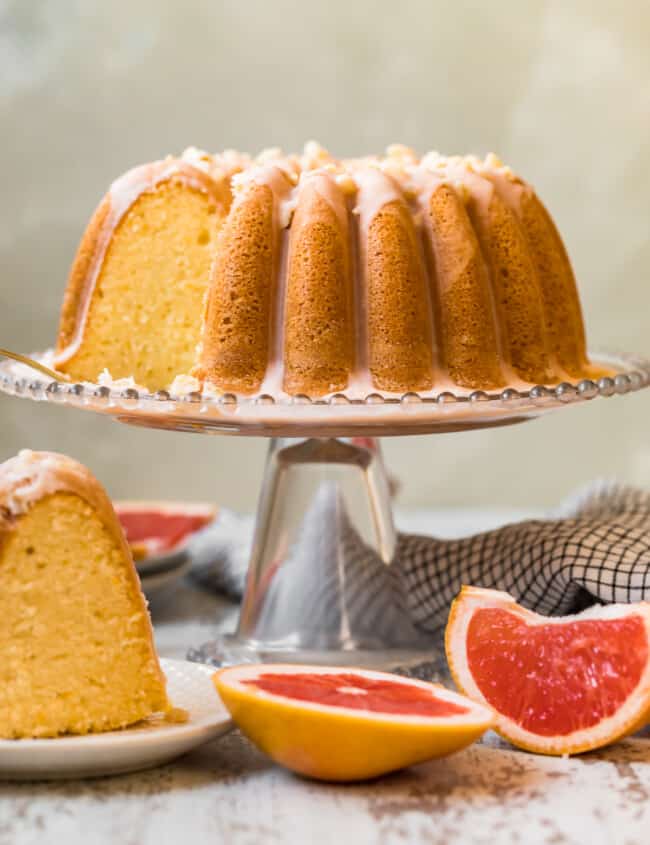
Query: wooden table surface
[[226, 792]]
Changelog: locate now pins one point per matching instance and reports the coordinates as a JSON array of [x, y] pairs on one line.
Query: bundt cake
[[75, 636], [311, 275]]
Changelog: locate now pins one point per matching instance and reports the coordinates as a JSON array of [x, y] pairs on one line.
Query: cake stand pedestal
[[323, 584]]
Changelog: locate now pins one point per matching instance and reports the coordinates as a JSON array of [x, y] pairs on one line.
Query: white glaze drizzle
[[26, 478], [369, 182], [122, 195]]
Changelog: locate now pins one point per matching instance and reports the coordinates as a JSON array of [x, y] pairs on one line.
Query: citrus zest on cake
[[75, 635], [308, 274]]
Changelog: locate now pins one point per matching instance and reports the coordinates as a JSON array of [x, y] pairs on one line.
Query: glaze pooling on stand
[[379, 414], [387, 274]]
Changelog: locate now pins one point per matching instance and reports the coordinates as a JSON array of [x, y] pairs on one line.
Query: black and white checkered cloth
[[594, 549]]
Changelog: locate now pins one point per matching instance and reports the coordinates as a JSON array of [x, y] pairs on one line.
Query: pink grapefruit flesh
[[356, 692], [156, 529], [551, 679], [558, 685]]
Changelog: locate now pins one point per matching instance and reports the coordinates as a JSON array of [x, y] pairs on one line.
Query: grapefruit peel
[[587, 648], [285, 717]]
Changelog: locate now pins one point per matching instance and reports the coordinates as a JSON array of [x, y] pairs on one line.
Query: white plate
[[139, 747], [154, 564], [157, 585]]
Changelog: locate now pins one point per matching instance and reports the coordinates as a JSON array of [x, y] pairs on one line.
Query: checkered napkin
[[595, 548]]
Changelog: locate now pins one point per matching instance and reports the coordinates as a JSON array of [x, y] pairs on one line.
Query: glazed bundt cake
[[311, 275], [75, 636]]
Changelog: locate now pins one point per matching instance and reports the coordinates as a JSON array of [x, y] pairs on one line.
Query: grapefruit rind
[[631, 716], [165, 506], [341, 744]]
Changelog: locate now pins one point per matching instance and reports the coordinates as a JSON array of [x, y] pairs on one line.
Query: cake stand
[[323, 585]]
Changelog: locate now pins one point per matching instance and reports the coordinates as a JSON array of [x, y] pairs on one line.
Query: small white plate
[[140, 747], [159, 584], [154, 564]]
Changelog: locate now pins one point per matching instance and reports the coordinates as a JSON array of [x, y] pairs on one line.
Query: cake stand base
[[322, 585], [426, 662]]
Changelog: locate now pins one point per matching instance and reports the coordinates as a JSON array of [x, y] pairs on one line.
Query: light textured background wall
[[559, 89]]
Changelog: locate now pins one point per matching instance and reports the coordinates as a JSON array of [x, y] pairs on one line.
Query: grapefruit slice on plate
[[342, 724], [157, 528], [558, 685]]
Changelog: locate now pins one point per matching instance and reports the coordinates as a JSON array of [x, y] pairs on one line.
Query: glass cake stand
[[322, 583]]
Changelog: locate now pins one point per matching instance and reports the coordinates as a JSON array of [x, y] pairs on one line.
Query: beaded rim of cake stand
[[633, 375]]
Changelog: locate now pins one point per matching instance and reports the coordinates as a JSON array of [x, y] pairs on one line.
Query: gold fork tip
[[35, 365]]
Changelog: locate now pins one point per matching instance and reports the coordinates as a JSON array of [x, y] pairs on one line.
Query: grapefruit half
[[342, 724], [558, 685]]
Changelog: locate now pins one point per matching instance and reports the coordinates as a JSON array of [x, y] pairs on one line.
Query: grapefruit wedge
[[341, 724], [558, 685], [157, 528]]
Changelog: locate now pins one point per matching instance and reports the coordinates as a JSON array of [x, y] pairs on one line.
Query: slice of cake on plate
[[75, 635]]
